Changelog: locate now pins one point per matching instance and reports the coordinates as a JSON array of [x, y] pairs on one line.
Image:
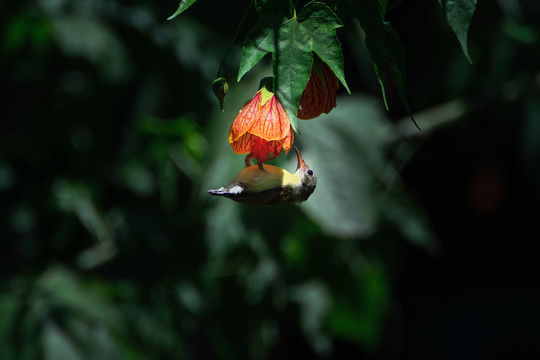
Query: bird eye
[[310, 172]]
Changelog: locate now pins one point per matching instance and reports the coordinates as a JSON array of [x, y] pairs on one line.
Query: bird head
[[307, 177]]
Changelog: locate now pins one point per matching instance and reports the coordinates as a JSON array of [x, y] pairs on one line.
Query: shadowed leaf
[[459, 14], [184, 4], [384, 46]]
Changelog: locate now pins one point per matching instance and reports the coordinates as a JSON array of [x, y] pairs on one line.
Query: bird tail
[[218, 192]]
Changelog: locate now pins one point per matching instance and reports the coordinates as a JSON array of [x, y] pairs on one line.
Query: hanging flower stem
[[234, 38]]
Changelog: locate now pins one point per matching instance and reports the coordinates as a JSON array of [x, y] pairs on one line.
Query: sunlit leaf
[[292, 43], [261, 39]]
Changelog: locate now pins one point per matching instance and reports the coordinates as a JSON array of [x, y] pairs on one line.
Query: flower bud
[[220, 88]]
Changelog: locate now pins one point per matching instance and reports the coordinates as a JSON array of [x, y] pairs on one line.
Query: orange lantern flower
[[319, 96], [262, 128]]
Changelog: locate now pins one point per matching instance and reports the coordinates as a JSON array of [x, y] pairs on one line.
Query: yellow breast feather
[[255, 179]]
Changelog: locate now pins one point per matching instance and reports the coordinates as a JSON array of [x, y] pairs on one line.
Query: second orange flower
[[319, 95]]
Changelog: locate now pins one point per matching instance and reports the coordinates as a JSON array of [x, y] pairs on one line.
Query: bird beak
[[301, 163]]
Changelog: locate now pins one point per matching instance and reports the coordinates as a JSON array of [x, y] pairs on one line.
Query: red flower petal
[[287, 141], [332, 85], [312, 100], [273, 122], [245, 118]]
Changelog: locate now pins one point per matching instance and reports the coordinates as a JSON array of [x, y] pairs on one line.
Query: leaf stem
[[234, 38]]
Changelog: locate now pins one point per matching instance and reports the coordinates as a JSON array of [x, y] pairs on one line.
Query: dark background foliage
[[415, 244]]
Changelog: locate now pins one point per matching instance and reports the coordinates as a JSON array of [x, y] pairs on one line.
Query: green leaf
[[273, 11], [260, 40], [355, 132], [383, 5], [459, 14], [292, 42], [292, 67], [58, 345], [358, 313], [410, 221], [59, 287], [320, 24], [384, 46], [184, 4]]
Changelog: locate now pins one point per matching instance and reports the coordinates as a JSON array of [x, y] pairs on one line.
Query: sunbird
[[267, 184]]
